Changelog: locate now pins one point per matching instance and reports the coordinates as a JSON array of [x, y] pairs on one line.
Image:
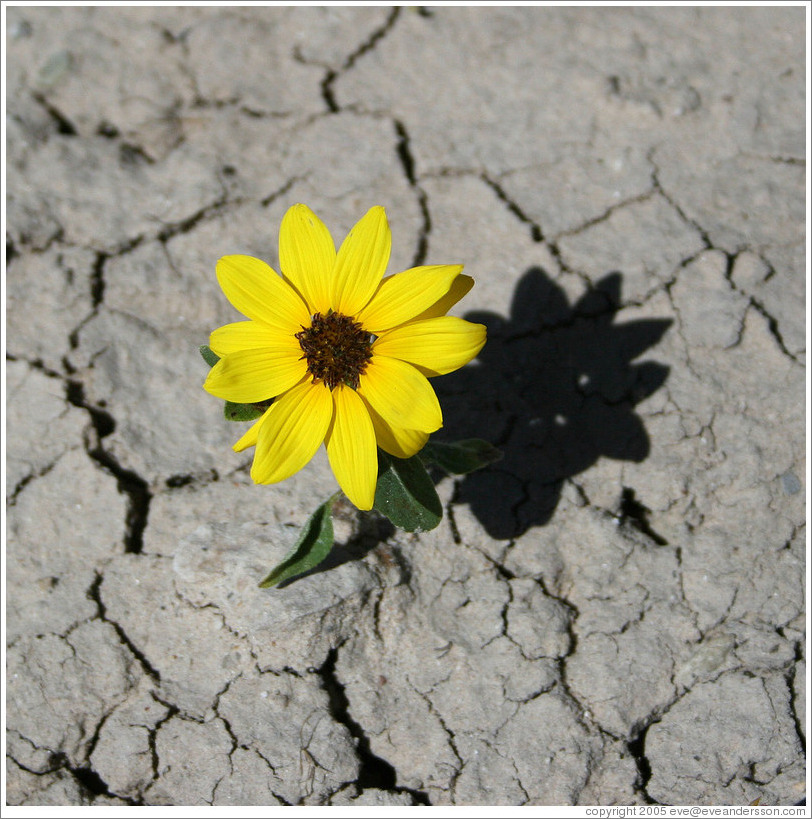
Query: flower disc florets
[[337, 349]]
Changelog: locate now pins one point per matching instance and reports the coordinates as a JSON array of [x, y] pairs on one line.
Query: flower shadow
[[554, 388]]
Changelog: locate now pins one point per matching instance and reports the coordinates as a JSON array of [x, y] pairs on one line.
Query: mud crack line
[[333, 74], [129, 483], [374, 772]]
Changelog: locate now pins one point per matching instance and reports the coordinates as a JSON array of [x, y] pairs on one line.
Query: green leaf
[[244, 412], [406, 495], [313, 545], [461, 456], [209, 356]]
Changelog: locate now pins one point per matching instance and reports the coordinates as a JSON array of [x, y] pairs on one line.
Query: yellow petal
[[255, 289], [459, 288], [403, 296], [243, 335], [400, 394], [251, 434], [256, 375], [351, 448], [295, 427], [437, 346], [307, 256], [397, 441], [361, 262]]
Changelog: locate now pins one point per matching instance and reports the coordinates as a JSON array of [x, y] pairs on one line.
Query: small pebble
[[791, 484], [54, 69], [20, 30]]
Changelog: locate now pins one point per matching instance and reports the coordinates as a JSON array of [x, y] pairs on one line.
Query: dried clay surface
[[612, 614]]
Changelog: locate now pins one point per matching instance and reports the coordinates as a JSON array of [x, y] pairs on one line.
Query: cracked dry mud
[[612, 614]]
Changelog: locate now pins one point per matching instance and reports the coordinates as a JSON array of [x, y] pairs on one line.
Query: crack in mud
[[536, 233], [94, 594], [23, 482], [637, 749], [408, 164], [129, 482], [327, 92], [374, 772], [758, 306], [64, 127], [172, 711]]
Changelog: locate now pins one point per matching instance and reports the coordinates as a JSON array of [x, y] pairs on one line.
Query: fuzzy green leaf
[[462, 456], [406, 495], [313, 545], [243, 412], [209, 356]]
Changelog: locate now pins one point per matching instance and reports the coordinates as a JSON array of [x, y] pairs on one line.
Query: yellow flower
[[344, 352]]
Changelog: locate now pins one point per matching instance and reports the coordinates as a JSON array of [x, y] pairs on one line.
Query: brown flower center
[[337, 349]]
